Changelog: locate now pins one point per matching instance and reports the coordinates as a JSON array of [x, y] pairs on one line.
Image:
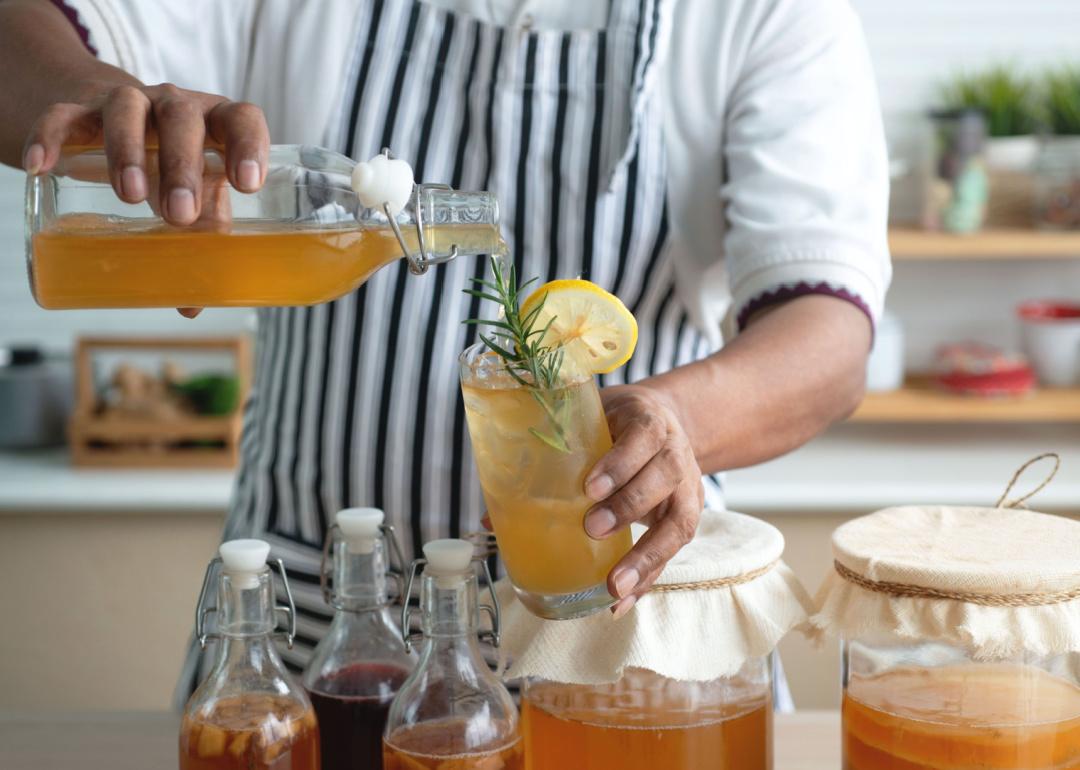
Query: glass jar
[[957, 187], [931, 704], [303, 238], [646, 721], [1057, 186]]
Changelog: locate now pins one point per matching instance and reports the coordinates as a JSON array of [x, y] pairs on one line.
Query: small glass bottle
[[452, 711], [303, 238], [361, 662], [248, 714]]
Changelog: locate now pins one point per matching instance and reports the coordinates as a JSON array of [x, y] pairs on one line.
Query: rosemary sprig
[[519, 341]]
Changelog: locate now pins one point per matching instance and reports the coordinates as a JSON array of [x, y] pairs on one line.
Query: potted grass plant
[[1058, 165], [1010, 106]]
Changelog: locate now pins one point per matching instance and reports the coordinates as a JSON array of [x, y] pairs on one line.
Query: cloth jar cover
[[996, 581], [724, 599]]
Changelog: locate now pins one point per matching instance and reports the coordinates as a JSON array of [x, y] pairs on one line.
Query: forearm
[[44, 62], [791, 373]]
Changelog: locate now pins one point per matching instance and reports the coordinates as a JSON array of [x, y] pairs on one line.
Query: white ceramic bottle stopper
[[244, 560], [448, 560], [383, 180], [359, 528]]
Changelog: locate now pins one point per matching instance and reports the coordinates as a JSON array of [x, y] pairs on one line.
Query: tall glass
[[534, 490]]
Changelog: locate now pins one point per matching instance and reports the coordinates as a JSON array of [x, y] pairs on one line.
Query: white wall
[[914, 44]]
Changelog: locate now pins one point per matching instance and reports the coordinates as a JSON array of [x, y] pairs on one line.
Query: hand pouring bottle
[[248, 714], [452, 712], [362, 661], [319, 227]]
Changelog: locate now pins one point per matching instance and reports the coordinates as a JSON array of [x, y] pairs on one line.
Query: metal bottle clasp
[[418, 265], [491, 610], [397, 561], [202, 611]]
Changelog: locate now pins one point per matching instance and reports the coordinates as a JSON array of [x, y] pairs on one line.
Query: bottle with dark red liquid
[[361, 663]]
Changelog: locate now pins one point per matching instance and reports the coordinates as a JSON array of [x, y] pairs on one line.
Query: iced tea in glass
[[534, 490]]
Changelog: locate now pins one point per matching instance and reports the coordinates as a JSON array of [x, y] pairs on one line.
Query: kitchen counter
[[147, 741], [44, 480]]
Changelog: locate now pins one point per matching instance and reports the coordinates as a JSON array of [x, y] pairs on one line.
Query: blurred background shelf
[[908, 242], [919, 401]]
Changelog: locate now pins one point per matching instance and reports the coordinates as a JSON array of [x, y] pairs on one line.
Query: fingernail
[[623, 606], [600, 487], [626, 581], [133, 183], [247, 174], [600, 522], [34, 159], [181, 205]]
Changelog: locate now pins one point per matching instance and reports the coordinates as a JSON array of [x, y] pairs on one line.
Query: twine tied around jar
[[706, 585], [1023, 599]]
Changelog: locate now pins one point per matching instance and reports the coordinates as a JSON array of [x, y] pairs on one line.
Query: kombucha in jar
[[646, 721], [437, 746], [997, 716]]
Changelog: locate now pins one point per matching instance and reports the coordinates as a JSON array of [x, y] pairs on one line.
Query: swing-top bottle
[[362, 661], [452, 711], [319, 227], [248, 714]]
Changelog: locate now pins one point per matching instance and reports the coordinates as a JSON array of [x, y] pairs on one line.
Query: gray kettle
[[36, 396]]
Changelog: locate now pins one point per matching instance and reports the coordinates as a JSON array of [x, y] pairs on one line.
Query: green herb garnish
[[519, 341]]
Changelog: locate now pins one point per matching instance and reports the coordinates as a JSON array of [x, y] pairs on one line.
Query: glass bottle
[[303, 238], [452, 712], [361, 662], [248, 714]]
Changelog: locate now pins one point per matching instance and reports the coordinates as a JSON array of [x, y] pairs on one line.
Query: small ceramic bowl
[[1050, 336]]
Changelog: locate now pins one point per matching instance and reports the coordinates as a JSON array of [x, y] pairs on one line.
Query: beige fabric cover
[[689, 635], [1000, 556]]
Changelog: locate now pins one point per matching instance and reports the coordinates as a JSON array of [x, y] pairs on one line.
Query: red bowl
[[1049, 310]]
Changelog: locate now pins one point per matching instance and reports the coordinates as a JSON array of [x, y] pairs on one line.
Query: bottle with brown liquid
[[248, 714], [452, 712], [319, 227], [361, 662]]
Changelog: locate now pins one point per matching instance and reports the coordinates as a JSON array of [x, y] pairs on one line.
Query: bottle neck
[[448, 606], [246, 605], [359, 575], [455, 219]]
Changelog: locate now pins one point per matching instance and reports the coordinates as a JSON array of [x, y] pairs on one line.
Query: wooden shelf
[[912, 243], [919, 401]]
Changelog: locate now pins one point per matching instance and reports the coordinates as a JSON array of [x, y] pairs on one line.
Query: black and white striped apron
[[357, 402]]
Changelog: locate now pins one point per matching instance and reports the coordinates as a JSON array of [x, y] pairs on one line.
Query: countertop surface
[[853, 469], [145, 741], [44, 480]]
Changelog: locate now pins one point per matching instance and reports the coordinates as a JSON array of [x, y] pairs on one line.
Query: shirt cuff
[[788, 278], [73, 16]]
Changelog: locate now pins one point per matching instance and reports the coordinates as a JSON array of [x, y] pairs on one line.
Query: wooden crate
[[114, 442]]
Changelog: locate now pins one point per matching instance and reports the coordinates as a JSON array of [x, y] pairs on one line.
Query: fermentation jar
[[961, 638], [682, 681]]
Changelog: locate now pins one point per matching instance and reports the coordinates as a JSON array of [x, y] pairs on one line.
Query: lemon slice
[[591, 322]]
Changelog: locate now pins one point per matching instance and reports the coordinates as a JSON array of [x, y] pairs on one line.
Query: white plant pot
[[1011, 153]]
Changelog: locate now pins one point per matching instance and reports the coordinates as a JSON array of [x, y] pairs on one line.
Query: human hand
[[122, 117], [650, 475]]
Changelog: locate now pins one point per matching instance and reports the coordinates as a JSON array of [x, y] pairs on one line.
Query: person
[[717, 164]]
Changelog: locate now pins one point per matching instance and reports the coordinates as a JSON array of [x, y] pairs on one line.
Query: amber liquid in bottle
[[91, 261], [256, 732], [429, 747], [559, 736], [985, 716]]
